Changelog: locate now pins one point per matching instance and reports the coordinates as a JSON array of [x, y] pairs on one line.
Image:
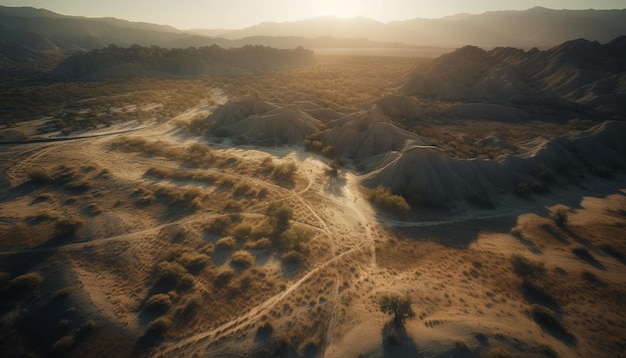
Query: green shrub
[[559, 215], [293, 238], [242, 258], [160, 302], [527, 270], [384, 199], [226, 243], [397, 306]]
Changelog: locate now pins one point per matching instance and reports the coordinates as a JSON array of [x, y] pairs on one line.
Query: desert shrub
[[313, 145], [63, 344], [79, 185], [185, 283], [498, 352], [243, 189], [612, 251], [241, 231], [223, 276], [583, 253], [545, 173], [146, 196], [176, 196], [523, 189], [67, 227], [547, 319], [397, 306], [265, 328], [169, 272], [219, 225], [292, 257], [198, 155], [40, 177], [26, 282], [233, 206], [384, 199], [559, 215], [285, 171], [293, 238], [329, 151], [263, 193], [242, 258], [226, 243], [334, 167], [193, 261], [262, 243], [160, 302], [64, 292], [267, 165], [85, 329], [591, 277], [207, 249], [527, 270], [282, 214], [159, 326]]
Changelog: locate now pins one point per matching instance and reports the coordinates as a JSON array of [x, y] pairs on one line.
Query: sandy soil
[[455, 268]]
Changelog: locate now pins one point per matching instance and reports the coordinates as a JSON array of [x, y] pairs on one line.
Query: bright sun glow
[[347, 8]]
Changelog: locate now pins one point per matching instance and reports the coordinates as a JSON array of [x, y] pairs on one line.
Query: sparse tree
[[527, 270], [397, 306], [559, 215]]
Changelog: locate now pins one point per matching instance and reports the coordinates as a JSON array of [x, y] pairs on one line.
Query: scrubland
[[155, 240]]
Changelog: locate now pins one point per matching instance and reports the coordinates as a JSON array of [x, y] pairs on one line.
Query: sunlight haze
[[186, 14]]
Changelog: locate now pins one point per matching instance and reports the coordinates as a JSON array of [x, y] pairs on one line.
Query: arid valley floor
[[132, 230]]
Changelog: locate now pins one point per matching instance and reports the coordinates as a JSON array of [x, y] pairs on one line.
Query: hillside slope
[[138, 61]]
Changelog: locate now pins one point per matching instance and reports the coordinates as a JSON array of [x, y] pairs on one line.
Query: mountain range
[[537, 27]]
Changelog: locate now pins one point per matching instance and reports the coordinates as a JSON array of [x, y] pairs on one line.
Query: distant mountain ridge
[[578, 71], [536, 27], [138, 61]]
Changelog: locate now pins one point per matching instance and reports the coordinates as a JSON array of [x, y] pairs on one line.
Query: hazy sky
[[185, 14]]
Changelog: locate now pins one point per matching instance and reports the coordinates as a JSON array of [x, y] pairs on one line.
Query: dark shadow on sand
[[396, 342]]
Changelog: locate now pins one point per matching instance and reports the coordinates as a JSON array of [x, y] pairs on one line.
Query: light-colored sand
[[456, 269]]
